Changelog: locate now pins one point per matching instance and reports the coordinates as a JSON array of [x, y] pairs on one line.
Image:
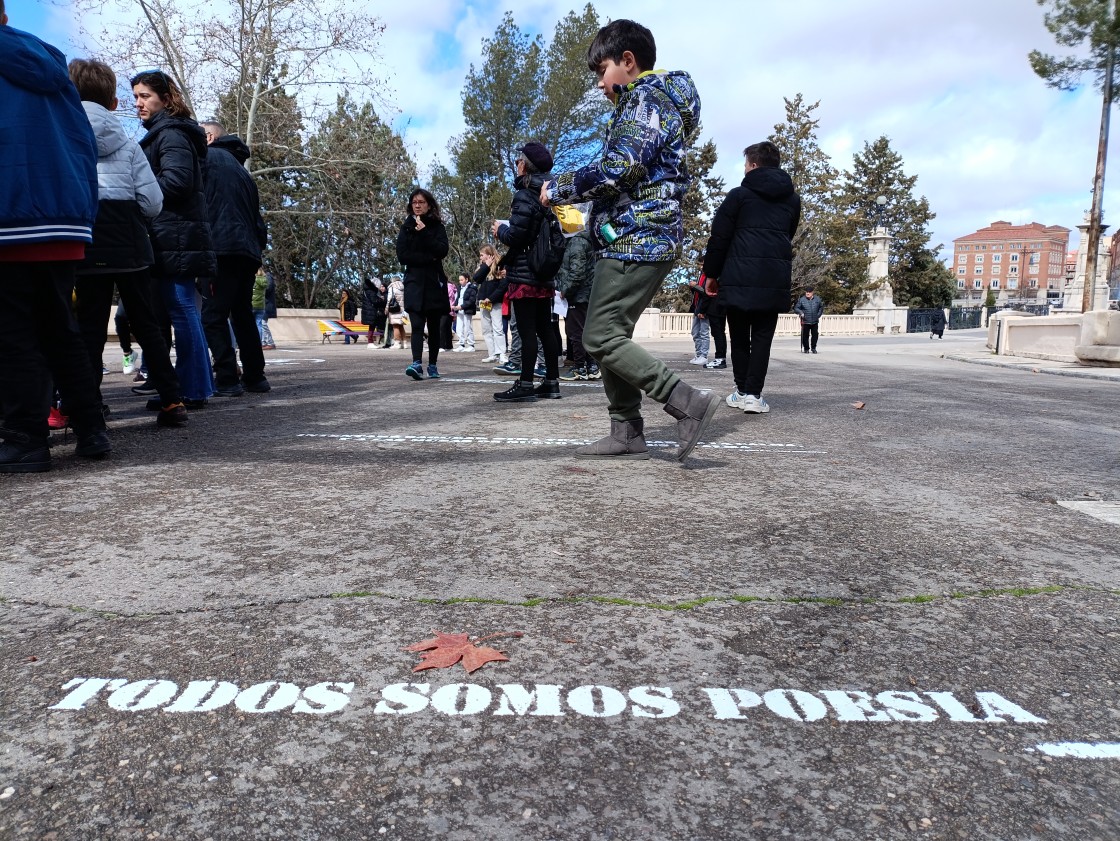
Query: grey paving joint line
[[612, 601]]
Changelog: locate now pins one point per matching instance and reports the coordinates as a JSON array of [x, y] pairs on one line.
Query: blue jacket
[[48, 155], [638, 184]]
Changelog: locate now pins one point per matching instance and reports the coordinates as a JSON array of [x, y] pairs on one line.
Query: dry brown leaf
[[579, 417], [859, 404], [445, 650]]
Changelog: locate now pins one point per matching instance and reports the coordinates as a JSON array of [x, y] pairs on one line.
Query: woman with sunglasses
[[175, 146]]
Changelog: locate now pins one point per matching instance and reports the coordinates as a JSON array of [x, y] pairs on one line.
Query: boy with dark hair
[[48, 201], [749, 264], [121, 253], [635, 190]]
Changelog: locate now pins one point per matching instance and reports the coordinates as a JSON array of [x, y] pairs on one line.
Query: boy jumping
[[636, 190]]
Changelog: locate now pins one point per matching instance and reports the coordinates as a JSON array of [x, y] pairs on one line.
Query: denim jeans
[[192, 356], [701, 332], [262, 328]]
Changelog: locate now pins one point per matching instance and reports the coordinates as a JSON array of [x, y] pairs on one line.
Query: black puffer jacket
[[525, 216], [492, 289], [749, 251], [234, 205], [421, 253], [175, 147], [469, 296], [578, 269], [373, 301], [810, 309]]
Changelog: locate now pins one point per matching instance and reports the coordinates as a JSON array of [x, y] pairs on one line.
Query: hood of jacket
[[165, 122], [106, 128], [770, 182], [679, 88], [234, 145], [31, 64]]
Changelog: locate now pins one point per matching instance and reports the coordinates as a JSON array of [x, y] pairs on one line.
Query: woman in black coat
[[421, 247], [175, 146], [373, 309]]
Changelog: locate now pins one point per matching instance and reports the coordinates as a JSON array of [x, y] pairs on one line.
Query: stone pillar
[[1074, 291], [879, 298]]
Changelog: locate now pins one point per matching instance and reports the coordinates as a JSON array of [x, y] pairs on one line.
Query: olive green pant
[[621, 291]]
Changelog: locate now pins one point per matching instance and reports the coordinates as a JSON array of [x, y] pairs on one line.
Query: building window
[[976, 284], [962, 259], [1013, 270], [995, 269], [996, 258], [981, 247], [979, 258], [1034, 260], [978, 270], [1033, 269], [995, 283], [1034, 283], [1012, 284], [960, 284], [960, 270], [997, 248], [963, 247], [1014, 258]]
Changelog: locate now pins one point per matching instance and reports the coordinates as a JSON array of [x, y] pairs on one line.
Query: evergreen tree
[[914, 271], [821, 241]]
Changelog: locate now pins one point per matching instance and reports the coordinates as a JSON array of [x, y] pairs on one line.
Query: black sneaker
[[539, 372], [519, 392], [593, 372], [261, 386], [94, 445], [548, 390], [574, 374], [716, 363], [24, 458], [145, 388], [235, 390], [194, 404]]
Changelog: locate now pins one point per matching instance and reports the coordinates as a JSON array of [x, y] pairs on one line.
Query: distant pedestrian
[[240, 237], [465, 307], [717, 325], [394, 312], [701, 330], [264, 306], [175, 146], [492, 286], [749, 263], [937, 325], [373, 310], [573, 281], [421, 247], [809, 307]]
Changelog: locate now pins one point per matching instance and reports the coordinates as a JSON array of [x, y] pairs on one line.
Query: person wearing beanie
[[529, 294]]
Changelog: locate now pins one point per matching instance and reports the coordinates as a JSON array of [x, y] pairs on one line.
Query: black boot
[[519, 392], [548, 390]]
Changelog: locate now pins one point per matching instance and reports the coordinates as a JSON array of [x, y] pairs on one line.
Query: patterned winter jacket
[[638, 184]]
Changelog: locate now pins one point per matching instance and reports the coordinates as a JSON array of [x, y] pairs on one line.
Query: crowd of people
[[179, 214]]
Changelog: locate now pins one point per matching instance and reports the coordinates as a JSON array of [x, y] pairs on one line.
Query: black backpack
[[547, 251]]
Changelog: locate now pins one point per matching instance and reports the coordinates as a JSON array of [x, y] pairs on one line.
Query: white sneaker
[[699, 360], [754, 405], [468, 350], [735, 400], [130, 362], [457, 349], [491, 358], [716, 363], [503, 359]]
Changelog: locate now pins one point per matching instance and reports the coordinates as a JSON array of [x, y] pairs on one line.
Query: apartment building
[[1016, 261]]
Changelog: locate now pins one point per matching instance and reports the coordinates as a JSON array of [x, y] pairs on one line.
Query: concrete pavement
[[831, 623]]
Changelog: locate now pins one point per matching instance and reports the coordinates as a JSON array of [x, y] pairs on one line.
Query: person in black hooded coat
[[175, 146], [240, 236], [749, 264]]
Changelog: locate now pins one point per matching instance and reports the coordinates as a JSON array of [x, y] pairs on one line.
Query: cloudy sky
[[948, 82]]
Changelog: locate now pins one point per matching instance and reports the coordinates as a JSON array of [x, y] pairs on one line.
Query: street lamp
[[880, 209]]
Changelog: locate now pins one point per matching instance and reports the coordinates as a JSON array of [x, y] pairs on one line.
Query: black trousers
[[534, 321], [808, 334], [417, 322], [229, 299], [717, 324], [752, 334], [573, 326], [95, 299], [39, 341]]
